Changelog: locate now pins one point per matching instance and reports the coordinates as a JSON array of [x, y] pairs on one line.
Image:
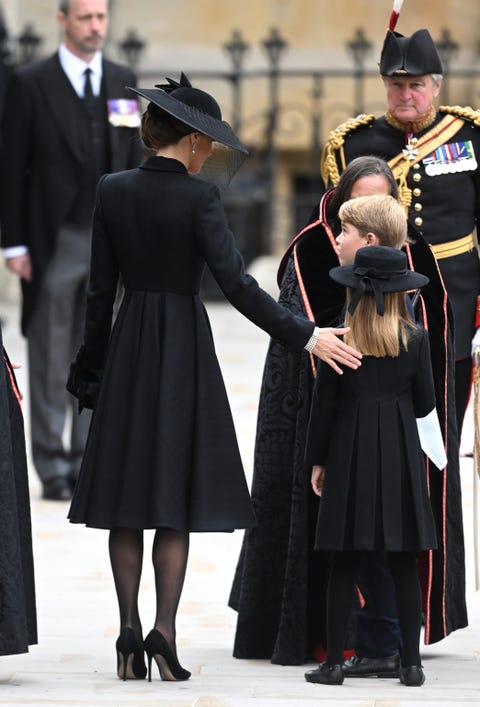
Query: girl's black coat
[[363, 430]]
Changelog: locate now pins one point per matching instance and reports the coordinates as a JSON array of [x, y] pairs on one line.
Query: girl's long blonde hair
[[376, 335]]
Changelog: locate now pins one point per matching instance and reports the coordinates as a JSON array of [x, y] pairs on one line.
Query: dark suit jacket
[[42, 156]]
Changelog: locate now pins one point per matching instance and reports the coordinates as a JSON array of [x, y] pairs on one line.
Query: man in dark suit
[[68, 119]]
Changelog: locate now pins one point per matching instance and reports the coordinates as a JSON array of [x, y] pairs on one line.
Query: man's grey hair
[[436, 78]]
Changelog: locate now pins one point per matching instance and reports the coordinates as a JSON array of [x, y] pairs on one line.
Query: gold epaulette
[[335, 141], [464, 112]]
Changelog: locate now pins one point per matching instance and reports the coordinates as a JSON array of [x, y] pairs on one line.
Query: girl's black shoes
[[130, 659], [169, 668], [412, 675], [325, 675]]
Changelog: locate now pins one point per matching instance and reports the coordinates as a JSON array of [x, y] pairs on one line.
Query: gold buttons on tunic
[[418, 221], [416, 166], [417, 191], [417, 177], [417, 207]]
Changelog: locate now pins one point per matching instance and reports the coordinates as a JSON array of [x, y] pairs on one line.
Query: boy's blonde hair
[[370, 333], [381, 215]]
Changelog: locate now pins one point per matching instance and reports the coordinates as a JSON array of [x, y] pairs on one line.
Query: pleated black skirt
[[162, 449]]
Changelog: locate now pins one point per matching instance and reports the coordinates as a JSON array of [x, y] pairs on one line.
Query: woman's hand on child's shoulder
[[333, 350]]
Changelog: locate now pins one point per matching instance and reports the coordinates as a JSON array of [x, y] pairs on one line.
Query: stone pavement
[[74, 663]]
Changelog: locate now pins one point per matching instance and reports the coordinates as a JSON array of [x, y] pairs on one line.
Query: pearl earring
[[193, 150]]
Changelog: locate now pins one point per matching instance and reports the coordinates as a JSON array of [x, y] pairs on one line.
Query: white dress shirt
[[75, 70]]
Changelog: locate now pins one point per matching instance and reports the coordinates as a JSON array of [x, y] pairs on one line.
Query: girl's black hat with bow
[[377, 269], [200, 111]]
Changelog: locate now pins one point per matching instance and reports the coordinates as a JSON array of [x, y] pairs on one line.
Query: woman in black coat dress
[[162, 451], [364, 447]]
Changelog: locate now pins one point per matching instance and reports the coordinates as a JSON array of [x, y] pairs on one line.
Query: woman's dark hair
[[160, 129], [367, 166]]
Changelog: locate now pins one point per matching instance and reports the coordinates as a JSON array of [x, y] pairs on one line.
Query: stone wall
[[189, 35]]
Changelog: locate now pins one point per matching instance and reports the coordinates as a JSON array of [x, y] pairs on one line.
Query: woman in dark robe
[[18, 620]]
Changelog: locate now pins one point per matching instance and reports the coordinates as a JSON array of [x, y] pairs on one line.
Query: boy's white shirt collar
[[75, 70]]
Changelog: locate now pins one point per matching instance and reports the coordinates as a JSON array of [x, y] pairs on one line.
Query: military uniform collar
[[416, 127]]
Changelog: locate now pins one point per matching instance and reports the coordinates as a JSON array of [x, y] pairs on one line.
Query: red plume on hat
[[397, 6]]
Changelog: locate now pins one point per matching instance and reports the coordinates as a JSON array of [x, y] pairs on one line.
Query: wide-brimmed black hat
[[409, 56], [200, 111], [377, 269]]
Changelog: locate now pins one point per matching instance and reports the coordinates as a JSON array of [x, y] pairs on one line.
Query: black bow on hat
[[368, 280]]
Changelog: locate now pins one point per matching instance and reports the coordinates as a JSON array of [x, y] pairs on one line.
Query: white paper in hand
[[431, 439]]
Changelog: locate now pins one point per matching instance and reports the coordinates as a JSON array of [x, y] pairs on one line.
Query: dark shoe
[[359, 667], [412, 675], [57, 489], [130, 658], [325, 674], [156, 646]]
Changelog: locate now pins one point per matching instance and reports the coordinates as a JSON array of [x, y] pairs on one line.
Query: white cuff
[[15, 251], [312, 342]]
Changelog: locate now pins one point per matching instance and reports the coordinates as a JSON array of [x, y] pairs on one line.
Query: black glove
[[83, 383]]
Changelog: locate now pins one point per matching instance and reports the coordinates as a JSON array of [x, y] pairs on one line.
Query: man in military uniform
[[434, 157]]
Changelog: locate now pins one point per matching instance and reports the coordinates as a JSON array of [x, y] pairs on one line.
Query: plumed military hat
[[409, 56]]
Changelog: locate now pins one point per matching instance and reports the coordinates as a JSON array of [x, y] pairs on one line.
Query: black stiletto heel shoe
[[130, 659], [169, 668]]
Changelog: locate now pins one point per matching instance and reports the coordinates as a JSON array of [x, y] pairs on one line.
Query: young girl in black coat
[[363, 443]]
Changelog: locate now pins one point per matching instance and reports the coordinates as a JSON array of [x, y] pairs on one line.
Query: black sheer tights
[[340, 598], [169, 557]]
